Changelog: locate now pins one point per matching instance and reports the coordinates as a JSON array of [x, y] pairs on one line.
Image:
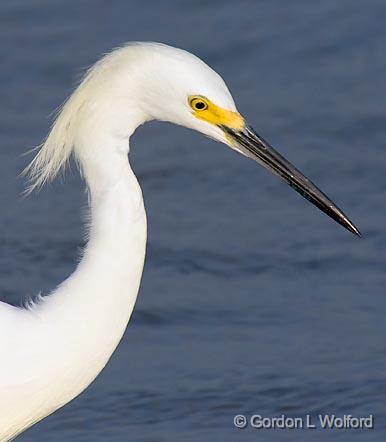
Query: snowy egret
[[53, 349]]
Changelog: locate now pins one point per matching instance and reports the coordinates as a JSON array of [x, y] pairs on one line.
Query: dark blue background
[[252, 301]]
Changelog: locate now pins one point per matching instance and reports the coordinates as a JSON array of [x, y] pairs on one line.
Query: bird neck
[[94, 305], [115, 251], [109, 273]]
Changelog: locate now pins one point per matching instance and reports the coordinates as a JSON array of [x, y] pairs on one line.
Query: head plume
[[54, 153]]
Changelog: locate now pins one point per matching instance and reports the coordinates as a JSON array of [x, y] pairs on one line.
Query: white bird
[[53, 349]]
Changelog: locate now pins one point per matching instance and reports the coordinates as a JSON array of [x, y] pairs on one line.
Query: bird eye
[[198, 104]]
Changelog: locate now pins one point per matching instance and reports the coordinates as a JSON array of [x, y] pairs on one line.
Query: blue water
[[252, 300]]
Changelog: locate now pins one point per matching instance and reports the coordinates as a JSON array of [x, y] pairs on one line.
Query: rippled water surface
[[252, 301]]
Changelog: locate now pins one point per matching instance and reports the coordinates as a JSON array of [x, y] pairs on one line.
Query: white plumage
[[51, 351]]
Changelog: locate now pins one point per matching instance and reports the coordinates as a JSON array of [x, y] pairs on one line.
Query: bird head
[[151, 81], [182, 89]]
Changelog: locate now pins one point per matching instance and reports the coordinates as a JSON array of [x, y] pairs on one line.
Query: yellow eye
[[198, 104]]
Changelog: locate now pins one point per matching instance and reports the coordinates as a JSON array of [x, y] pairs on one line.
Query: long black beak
[[249, 143]]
